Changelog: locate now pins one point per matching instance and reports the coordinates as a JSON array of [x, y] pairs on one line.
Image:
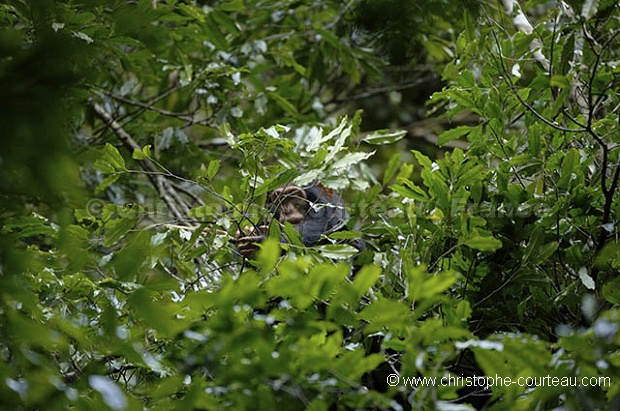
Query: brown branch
[[187, 117], [165, 190]]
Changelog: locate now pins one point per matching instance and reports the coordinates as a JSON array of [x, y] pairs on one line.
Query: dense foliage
[[140, 136]]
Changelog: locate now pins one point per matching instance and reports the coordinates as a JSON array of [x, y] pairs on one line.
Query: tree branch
[[187, 117], [522, 23], [176, 204]]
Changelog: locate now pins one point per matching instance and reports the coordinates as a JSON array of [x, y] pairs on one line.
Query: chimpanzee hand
[[247, 244]]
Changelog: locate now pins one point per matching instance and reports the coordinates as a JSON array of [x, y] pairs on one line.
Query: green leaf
[[385, 313], [214, 34], [392, 167], [284, 104], [541, 254], [337, 251], [345, 235], [421, 285], [611, 291], [349, 159], [233, 5], [384, 137], [405, 172], [130, 259], [466, 79], [110, 160], [159, 315], [143, 154], [323, 278], [367, 277], [268, 255], [478, 242], [290, 233], [289, 60], [224, 21], [116, 229], [453, 134], [28, 227], [284, 177], [560, 81], [203, 212], [424, 161], [534, 243], [570, 166], [410, 190], [213, 168], [353, 364]]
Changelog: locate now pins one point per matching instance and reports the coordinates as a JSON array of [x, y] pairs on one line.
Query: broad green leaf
[[268, 255], [384, 137], [284, 104], [232, 5], [128, 261], [423, 286], [409, 190], [224, 21], [337, 251], [392, 167], [345, 235], [611, 291], [289, 60], [290, 233], [560, 81], [116, 229], [212, 169], [478, 242], [354, 364], [367, 277], [543, 253], [453, 134], [203, 212], [323, 278], [349, 159], [157, 314], [28, 227], [143, 154], [284, 177], [110, 160], [466, 79], [569, 167], [534, 243], [385, 313], [214, 34]]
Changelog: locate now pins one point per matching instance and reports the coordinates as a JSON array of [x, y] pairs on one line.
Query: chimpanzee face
[[290, 203]]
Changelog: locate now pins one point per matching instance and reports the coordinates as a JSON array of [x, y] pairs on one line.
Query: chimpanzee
[[313, 211]]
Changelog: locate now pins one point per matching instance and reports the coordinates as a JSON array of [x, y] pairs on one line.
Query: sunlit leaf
[[384, 137], [481, 243], [337, 251], [112, 395], [453, 134]]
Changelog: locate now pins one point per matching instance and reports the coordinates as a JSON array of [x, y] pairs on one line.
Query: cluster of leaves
[[121, 286]]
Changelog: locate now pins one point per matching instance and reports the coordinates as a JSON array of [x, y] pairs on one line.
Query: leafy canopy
[[140, 136]]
